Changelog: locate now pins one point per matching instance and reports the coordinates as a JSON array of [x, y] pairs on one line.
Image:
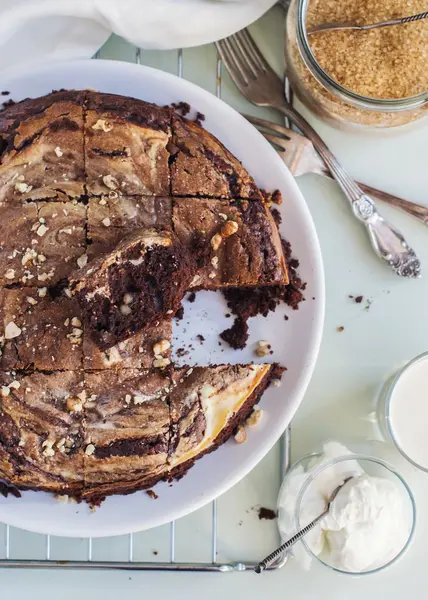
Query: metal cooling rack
[[45, 560]]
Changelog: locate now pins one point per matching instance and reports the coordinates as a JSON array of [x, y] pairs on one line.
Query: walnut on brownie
[[125, 145], [141, 281], [39, 332], [41, 148], [138, 351], [44, 242], [42, 431], [244, 240], [201, 166], [113, 217]]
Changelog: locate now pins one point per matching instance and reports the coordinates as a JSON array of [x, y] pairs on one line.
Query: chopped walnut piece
[[160, 363], [82, 260], [255, 418], [58, 152], [263, 348], [241, 435], [90, 449], [216, 241], [102, 125], [160, 347], [74, 404], [11, 331], [229, 228], [10, 274], [110, 182]]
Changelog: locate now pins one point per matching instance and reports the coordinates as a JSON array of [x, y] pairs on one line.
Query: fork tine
[[255, 52], [277, 142], [269, 126], [232, 65], [245, 50]]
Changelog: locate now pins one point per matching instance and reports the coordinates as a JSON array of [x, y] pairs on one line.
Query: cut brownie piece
[[135, 286], [208, 403], [137, 351], [201, 166], [245, 244], [125, 145], [41, 147], [128, 425], [110, 219], [39, 332], [41, 431], [43, 243]]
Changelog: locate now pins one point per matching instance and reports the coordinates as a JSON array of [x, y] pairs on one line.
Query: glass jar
[[330, 100]]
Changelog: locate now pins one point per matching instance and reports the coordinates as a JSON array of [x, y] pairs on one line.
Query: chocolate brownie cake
[[123, 206], [133, 287], [41, 148], [243, 238]]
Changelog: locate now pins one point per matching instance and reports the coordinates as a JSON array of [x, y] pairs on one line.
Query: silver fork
[[300, 156], [261, 85]]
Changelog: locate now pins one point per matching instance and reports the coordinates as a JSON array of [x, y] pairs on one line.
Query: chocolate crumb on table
[[266, 513], [200, 338], [359, 299], [340, 329], [152, 495], [5, 93], [191, 297]]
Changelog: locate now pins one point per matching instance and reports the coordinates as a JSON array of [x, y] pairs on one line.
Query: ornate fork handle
[[387, 241]]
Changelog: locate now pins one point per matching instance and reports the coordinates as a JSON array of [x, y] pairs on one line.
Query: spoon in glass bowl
[[342, 26], [261, 566]]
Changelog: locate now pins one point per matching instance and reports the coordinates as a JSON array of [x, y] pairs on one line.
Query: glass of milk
[[404, 411]]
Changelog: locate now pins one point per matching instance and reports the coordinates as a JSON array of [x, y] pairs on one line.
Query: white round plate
[[295, 342]]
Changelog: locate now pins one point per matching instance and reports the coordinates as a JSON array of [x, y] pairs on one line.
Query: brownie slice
[[42, 431], [127, 431], [201, 166], [125, 145], [137, 351], [111, 218], [43, 243], [244, 240], [37, 331], [41, 147], [207, 405], [135, 286]]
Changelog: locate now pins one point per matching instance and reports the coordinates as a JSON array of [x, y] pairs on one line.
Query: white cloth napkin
[[41, 30]]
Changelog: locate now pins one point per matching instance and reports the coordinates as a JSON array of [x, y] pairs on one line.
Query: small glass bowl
[[372, 466], [384, 409]]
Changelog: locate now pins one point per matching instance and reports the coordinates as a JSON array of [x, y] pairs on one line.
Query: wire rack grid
[[127, 561]]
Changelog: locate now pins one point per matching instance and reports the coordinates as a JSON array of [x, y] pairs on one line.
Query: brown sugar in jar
[[375, 78]]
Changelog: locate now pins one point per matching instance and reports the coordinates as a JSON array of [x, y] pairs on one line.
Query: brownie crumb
[[191, 297], [199, 118], [227, 315], [277, 217], [286, 318], [359, 299], [7, 488], [5, 93], [8, 103], [340, 329], [152, 494], [200, 338], [182, 107], [181, 352], [180, 313], [272, 197], [368, 304], [155, 552], [237, 335], [267, 513]]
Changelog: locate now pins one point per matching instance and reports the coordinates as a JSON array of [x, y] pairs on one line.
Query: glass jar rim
[[320, 469], [388, 400], [332, 86]]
